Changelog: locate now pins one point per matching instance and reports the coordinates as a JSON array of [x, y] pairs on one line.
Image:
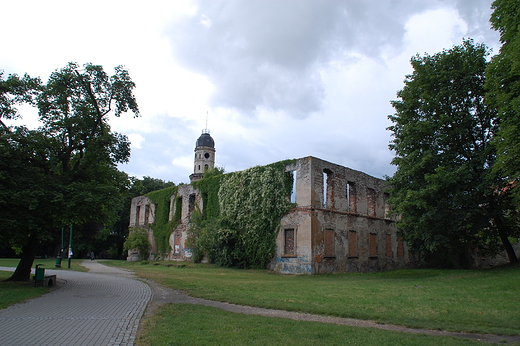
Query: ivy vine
[[162, 228]]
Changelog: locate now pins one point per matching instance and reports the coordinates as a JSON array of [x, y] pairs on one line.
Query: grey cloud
[[268, 54]]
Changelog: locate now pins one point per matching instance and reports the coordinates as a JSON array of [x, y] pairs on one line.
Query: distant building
[[340, 222]]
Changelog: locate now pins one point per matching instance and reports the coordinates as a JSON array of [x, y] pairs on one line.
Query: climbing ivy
[[162, 228], [242, 212], [241, 215]]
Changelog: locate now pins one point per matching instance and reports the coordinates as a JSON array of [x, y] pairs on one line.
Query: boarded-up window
[[289, 249], [371, 201], [330, 243], [146, 214], [388, 245], [352, 244], [372, 245], [400, 248], [350, 191], [137, 215]]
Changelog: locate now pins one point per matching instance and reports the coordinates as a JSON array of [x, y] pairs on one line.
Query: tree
[[65, 172], [444, 191], [503, 84]]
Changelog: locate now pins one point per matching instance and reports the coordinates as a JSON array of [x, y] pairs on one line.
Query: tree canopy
[[503, 85], [444, 190], [65, 172]]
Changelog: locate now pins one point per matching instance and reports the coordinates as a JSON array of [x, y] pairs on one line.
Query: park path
[[101, 307]]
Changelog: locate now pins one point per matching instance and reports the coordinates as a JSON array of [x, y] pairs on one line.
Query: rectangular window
[[352, 244], [191, 203], [330, 241], [371, 202], [177, 242], [387, 205], [178, 209], [388, 245], [293, 191], [289, 237], [372, 245], [400, 248], [146, 214], [350, 192], [137, 215], [327, 190]]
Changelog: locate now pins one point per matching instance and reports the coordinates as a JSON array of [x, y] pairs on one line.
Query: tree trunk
[[23, 270], [502, 232]]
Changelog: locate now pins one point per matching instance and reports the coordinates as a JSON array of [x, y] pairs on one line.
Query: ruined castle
[[339, 223]]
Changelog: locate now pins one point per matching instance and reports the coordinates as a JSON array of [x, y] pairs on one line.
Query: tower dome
[[205, 140], [204, 155]]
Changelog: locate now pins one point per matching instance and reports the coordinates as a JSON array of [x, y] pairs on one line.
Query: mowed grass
[[16, 292], [184, 324], [483, 301]]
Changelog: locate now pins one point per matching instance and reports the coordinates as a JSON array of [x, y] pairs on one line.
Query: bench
[[48, 281]]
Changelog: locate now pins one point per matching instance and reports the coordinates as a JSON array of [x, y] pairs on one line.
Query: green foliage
[[503, 85], [64, 172], [162, 227], [138, 239], [242, 212], [443, 187]]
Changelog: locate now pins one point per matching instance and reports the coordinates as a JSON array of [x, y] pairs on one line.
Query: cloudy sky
[[276, 79]]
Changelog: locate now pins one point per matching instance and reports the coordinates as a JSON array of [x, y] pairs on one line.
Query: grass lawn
[[15, 292], [484, 301], [184, 324]]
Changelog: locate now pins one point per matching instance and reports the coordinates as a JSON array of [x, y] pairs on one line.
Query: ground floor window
[[352, 244], [372, 239], [289, 244], [330, 240]]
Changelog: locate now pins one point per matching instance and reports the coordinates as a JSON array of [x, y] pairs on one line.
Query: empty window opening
[[371, 201], [388, 245], [352, 244], [177, 244], [137, 215], [372, 245], [293, 190], [289, 237], [146, 214], [178, 209], [327, 191], [350, 192], [330, 242], [191, 202], [386, 197]]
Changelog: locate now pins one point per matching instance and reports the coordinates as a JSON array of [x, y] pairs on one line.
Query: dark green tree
[[503, 84], [444, 191], [63, 173]]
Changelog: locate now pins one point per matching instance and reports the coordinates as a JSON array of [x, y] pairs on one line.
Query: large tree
[[503, 84], [448, 200], [65, 172]]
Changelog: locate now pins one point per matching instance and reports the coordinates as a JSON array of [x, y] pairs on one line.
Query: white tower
[[204, 155]]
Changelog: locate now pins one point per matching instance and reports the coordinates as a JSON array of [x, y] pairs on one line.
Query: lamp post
[[70, 245]]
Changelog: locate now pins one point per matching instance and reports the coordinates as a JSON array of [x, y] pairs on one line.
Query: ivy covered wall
[[238, 223]]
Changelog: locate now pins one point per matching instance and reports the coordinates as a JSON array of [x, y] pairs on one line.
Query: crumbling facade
[[340, 222]]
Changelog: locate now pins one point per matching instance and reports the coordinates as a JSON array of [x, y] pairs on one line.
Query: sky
[[270, 79]]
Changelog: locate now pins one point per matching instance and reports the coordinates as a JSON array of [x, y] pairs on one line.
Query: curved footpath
[[104, 306], [101, 307]]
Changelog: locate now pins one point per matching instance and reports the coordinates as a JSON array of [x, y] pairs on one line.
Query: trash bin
[[58, 262], [39, 274]]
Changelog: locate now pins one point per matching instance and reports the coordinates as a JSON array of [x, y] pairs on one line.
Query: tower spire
[[206, 130]]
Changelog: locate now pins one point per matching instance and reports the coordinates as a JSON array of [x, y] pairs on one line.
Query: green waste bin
[[58, 262], [39, 274]]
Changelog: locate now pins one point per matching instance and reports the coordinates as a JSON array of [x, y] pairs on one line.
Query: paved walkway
[[89, 309]]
